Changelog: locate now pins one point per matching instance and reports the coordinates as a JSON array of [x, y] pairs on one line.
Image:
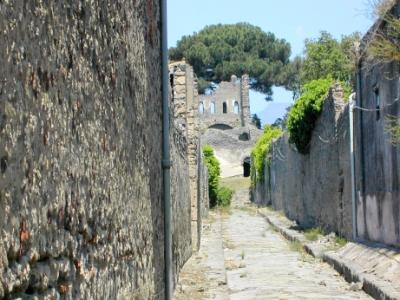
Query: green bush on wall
[[260, 150], [306, 110]]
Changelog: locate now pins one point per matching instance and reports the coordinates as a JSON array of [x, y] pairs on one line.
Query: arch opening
[[201, 108], [220, 126], [246, 167], [236, 107], [224, 108], [212, 107]]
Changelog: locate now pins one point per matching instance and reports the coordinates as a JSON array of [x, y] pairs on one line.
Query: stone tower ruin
[[227, 106]]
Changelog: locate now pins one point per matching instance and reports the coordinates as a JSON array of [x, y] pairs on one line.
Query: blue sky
[[292, 20]]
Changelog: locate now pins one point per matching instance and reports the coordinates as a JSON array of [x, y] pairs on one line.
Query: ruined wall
[[234, 92], [378, 160], [184, 97], [180, 199], [80, 150], [314, 189]]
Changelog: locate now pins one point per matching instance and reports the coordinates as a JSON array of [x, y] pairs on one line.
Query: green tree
[[218, 51], [327, 57]]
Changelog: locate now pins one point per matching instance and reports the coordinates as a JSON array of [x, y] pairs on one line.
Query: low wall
[[313, 189]]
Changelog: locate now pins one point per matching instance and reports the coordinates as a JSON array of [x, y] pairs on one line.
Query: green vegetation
[[328, 57], [341, 241], [213, 173], [305, 111], [385, 45], [260, 150], [312, 234], [219, 196], [219, 51], [224, 196], [236, 183], [385, 48], [392, 127], [296, 246]]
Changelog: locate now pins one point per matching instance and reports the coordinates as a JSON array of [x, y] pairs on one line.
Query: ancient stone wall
[[313, 189], [180, 199], [184, 97], [81, 198], [377, 159]]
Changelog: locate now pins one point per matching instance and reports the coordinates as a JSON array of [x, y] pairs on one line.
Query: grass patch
[[341, 241], [312, 234], [235, 183], [296, 246], [224, 210]]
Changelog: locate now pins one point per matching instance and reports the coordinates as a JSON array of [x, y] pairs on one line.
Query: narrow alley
[[243, 257]]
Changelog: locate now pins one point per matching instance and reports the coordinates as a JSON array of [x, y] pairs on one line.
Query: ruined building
[[225, 124], [227, 106]]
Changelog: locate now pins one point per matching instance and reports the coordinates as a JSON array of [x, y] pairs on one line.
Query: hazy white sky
[[292, 20]]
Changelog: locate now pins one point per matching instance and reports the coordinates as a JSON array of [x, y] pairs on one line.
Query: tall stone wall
[[378, 160], [81, 212], [313, 189]]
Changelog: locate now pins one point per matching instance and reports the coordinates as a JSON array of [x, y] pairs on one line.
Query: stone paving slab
[[260, 264], [243, 257], [375, 266], [204, 275]]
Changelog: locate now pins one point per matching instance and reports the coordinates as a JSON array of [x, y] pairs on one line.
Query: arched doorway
[[224, 108], [246, 167]]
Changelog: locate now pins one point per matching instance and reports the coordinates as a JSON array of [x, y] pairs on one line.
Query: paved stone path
[[242, 257]]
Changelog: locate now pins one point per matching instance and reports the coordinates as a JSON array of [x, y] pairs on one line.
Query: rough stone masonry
[[81, 210]]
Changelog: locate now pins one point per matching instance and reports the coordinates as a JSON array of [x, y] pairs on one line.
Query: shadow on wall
[[220, 127]]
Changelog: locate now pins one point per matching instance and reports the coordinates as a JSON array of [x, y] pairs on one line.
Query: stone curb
[[375, 287]]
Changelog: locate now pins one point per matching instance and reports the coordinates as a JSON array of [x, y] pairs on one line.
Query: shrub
[[305, 111], [224, 196], [312, 234], [213, 173], [260, 150]]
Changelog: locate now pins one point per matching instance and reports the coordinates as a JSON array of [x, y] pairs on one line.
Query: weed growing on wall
[[260, 150], [392, 127]]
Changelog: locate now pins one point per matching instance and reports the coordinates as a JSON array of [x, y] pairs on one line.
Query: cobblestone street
[[255, 262]]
